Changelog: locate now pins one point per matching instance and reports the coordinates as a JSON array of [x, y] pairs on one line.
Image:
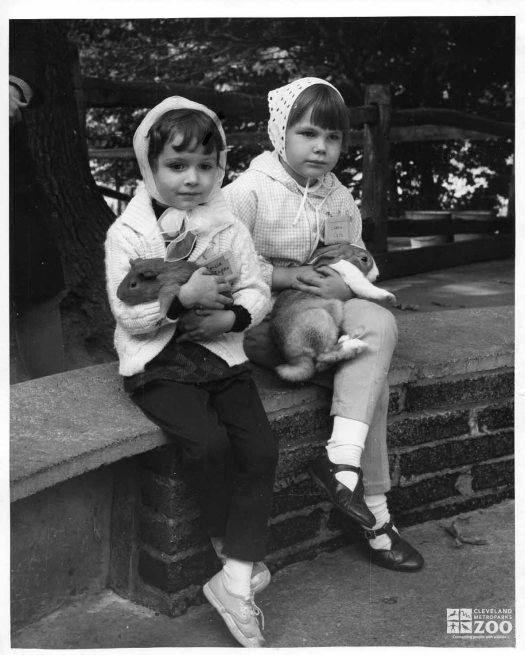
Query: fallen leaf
[[476, 541], [460, 539], [407, 307], [390, 600]]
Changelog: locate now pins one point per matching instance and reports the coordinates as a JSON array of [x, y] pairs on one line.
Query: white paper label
[[219, 265], [337, 229]]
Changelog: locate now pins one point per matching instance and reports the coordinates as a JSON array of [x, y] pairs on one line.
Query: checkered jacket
[[286, 228]]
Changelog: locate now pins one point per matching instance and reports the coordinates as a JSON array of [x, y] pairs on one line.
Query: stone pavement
[[485, 284], [336, 599]]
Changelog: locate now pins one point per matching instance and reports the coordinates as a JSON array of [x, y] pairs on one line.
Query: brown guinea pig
[[152, 279]]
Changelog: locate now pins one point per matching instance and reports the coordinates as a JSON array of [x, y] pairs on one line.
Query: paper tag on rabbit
[[220, 265], [336, 229]]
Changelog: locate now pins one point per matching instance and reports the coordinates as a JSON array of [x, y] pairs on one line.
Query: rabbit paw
[[350, 346], [346, 348]]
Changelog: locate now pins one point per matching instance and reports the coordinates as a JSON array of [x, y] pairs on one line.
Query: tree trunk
[[80, 216]]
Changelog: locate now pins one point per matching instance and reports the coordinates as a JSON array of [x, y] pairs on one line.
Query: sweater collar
[[268, 163], [140, 215]]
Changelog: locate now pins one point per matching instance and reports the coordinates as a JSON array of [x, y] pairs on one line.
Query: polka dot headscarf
[[280, 103]]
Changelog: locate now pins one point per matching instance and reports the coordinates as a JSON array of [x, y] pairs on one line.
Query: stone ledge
[[453, 342], [68, 424]]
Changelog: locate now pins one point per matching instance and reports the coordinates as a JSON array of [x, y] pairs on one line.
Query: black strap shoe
[[401, 557], [351, 503]]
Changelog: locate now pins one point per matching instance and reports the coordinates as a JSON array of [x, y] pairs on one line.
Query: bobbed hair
[[195, 127], [329, 111]]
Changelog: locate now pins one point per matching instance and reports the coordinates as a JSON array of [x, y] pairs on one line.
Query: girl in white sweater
[[187, 370]]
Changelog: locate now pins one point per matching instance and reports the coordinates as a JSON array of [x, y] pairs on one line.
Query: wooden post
[[376, 166]]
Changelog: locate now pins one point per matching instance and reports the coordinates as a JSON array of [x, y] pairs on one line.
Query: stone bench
[[97, 494]]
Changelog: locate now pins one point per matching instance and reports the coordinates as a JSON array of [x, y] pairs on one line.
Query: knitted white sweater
[[138, 336]]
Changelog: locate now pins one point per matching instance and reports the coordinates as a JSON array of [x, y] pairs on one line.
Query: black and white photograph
[[302, 220]]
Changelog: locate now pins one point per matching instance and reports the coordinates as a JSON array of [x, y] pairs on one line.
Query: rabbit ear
[[325, 254], [314, 260], [320, 257], [322, 260]]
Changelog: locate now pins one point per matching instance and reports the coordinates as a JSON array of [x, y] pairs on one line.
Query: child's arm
[[250, 290], [136, 319], [356, 223], [285, 277], [241, 198], [146, 317], [205, 290], [325, 283], [359, 284], [204, 324], [251, 295]]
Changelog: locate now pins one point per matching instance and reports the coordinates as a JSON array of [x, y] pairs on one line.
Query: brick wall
[[450, 449], [451, 445]]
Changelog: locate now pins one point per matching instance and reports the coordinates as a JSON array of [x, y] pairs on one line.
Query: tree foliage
[[462, 63]]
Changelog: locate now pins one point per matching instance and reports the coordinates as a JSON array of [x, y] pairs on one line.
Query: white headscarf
[[205, 217], [280, 103]]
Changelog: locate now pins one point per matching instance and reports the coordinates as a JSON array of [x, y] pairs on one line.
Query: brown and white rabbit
[[307, 328]]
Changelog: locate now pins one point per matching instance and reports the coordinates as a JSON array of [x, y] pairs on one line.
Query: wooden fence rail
[[242, 106], [404, 227], [375, 126], [260, 140], [428, 116]]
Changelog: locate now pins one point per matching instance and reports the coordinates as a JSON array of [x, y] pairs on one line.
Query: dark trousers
[[228, 449]]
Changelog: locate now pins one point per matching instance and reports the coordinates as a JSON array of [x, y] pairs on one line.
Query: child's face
[[311, 151], [185, 179]]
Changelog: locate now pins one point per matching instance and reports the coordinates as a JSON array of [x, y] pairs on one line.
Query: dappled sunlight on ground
[[472, 289], [486, 284]]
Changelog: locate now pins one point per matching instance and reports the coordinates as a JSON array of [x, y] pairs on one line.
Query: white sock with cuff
[[377, 504], [345, 446], [237, 576]]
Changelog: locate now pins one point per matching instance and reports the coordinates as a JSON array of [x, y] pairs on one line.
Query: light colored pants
[[360, 386]]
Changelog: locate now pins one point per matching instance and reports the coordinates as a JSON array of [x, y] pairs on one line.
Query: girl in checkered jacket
[[292, 203], [187, 370]]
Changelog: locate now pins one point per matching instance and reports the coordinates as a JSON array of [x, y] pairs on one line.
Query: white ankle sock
[[237, 575], [377, 504], [345, 446]]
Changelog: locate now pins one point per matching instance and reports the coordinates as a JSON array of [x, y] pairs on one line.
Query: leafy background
[[461, 63]]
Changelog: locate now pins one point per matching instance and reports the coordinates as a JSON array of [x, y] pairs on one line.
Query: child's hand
[[202, 324], [205, 290], [284, 277], [323, 282]]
